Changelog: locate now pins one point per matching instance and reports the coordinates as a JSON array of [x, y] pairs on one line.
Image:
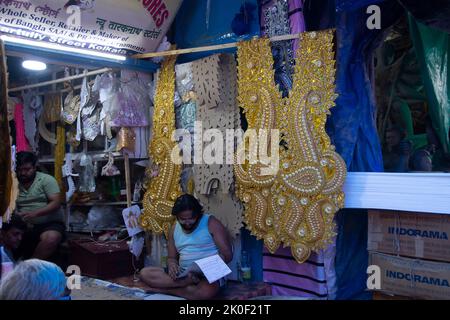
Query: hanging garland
[[163, 189], [296, 205], [60, 153]]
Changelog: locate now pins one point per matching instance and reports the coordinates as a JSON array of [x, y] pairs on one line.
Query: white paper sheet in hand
[[214, 268]]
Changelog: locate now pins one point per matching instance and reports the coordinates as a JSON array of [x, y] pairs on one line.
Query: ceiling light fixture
[[34, 65]]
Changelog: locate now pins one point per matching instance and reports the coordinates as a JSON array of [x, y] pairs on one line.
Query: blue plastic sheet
[[352, 128], [352, 123], [351, 255], [209, 22], [348, 5]]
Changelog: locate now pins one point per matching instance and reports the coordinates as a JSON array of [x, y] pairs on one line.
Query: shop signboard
[[113, 27]]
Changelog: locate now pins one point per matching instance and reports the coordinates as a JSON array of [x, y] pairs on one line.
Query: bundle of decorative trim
[[60, 154], [296, 204], [164, 188]]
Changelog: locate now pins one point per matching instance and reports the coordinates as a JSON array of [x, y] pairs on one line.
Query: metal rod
[[207, 48], [46, 83]]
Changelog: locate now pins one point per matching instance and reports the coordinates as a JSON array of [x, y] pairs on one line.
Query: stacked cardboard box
[[412, 251]]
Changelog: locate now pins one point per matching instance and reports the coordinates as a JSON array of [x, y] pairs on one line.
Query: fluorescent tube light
[[53, 46]]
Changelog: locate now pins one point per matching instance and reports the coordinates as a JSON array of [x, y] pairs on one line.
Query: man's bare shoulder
[[214, 224]]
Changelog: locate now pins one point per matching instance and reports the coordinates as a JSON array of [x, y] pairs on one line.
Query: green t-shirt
[[36, 197]]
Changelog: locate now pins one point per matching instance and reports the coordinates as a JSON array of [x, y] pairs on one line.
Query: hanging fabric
[[275, 21], [52, 108], [21, 140], [141, 142], [352, 124], [288, 278], [32, 108], [192, 31], [296, 20]]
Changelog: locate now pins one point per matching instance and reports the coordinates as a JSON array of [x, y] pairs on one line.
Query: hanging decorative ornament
[[11, 106], [110, 169], [72, 139], [71, 108], [67, 173], [46, 134], [126, 139], [164, 188], [52, 108], [294, 205]]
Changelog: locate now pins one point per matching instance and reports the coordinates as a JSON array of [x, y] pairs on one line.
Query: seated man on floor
[[39, 205], [194, 236]]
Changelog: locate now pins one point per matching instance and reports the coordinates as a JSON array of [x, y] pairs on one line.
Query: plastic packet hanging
[[129, 106], [87, 175]]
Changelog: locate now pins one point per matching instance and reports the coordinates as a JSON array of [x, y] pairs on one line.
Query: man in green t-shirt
[[39, 204]]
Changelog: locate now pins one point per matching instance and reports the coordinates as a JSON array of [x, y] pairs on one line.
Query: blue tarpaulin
[[202, 23], [352, 128]]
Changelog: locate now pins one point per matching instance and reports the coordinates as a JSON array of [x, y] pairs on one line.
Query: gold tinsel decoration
[[60, 154], [9, 188], [163, 189], [296, 206]]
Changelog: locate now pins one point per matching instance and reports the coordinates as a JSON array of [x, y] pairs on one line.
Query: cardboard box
[[377, 295], [412, 277], [418, 235]]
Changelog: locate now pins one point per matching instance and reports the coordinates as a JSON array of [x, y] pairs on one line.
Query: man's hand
[[173, 270], [28, 215]]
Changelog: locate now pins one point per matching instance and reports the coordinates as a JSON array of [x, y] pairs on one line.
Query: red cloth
[[21, 141]]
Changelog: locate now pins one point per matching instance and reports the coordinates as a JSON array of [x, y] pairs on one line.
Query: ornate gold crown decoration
[[163, 189], [296, 206]]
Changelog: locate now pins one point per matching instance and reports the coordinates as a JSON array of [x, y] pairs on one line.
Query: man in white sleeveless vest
[[194, 236]]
